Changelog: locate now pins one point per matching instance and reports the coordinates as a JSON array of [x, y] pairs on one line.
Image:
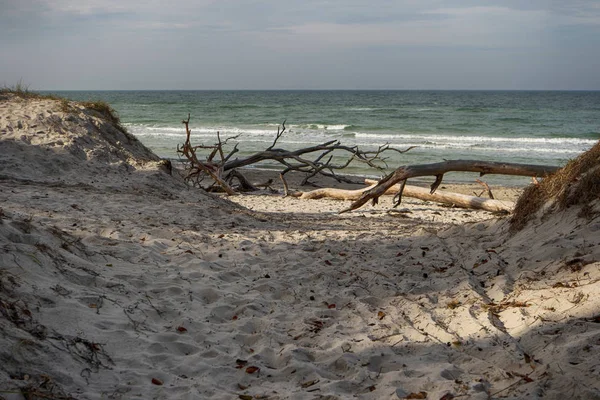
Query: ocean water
[[536, 127]]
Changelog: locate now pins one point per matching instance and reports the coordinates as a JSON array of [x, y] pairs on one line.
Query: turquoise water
[[528, 127]]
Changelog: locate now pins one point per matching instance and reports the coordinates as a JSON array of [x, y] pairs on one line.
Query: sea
[[533, 127]]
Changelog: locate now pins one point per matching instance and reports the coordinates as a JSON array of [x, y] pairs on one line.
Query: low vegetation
[[107, 112], [21, 90], [578, 183]]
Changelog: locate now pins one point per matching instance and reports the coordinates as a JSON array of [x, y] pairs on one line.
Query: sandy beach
[[119, 281]]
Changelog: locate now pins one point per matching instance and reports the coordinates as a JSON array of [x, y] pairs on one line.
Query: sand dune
[[118, 281]]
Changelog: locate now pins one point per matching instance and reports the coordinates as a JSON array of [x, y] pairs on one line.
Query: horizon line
[[315, 90]]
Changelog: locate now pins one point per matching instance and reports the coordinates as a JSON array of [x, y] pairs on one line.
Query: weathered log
[[334, 193], [456, 199], [439, 169]]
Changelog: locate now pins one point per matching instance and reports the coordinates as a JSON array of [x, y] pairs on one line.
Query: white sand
[[113, 273]]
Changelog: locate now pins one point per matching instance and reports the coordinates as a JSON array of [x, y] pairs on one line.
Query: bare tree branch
[[439, 169], [196, 167], [487, 188], [312, 160]]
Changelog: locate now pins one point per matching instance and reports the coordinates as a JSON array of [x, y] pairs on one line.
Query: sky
[[300, 44]]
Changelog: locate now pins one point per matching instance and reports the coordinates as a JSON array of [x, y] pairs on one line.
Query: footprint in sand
[[209, 295]]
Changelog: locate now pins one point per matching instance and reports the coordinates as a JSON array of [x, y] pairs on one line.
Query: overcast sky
[[300, 44]]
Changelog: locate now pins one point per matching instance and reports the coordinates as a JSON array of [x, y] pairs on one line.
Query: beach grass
[[22, 90], [105, 109], [578, 183]]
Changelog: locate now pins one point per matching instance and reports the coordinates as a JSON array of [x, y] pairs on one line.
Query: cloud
[[89, 7], [303, 43], [151, 7], [481, 27]]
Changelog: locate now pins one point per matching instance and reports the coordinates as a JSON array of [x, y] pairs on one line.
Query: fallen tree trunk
[[332, 193], [417, 192], [438, 170], [457, 199]]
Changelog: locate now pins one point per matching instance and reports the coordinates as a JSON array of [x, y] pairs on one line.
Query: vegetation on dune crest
[[578, 183], [106, 110], [22, 91]]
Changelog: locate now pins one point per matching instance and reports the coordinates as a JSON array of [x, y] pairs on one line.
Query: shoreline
[[473, 126]]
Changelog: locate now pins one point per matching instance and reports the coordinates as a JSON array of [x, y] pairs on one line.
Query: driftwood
[[438, 170], [487, 188], [439, 196], [457, 199], [319, 163], [245, 185], [297, 160], [197, 168], [217, 163]]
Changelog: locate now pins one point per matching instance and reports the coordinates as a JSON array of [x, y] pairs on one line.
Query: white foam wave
[[338, 127], [303, 135], [473, 139], [316, 131], [144, 130], [500, 149]]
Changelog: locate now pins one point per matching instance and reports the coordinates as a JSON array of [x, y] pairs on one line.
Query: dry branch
[[487, 188], [298, 160], [438, 170], [196, 167], [245, 185], [313, 160], [321, 164], [455, 199]]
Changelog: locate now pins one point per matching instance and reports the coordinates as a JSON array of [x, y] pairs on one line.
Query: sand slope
[[117, 281]]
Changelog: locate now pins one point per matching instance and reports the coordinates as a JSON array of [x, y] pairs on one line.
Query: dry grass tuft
[[106, 111], [103, 108], [578, 183], [21, 90]]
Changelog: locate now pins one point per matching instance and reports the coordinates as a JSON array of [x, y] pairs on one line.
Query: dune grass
[[22, 91], [578, 183], [106, 111], [103, 108]]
